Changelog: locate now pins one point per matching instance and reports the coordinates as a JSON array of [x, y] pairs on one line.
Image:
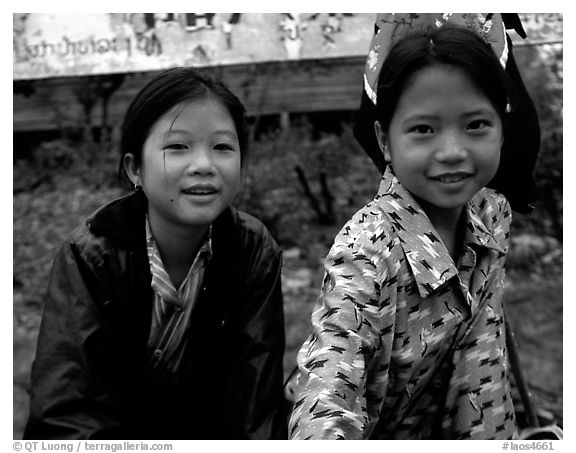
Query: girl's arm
[[330, 400], [67, 401], [258, 402]]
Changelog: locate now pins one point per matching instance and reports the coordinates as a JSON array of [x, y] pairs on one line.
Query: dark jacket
[[88, 377]]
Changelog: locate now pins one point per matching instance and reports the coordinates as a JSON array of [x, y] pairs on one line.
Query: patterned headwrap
[[390, 27], [520, 151]]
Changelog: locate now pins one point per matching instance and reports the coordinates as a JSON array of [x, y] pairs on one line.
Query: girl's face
[[444, 139], [190, 168]]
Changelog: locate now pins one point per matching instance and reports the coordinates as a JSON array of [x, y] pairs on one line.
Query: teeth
[[451, 178], [200, 191]]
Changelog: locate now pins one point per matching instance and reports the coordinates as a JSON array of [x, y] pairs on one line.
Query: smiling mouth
[[200, 190], [450, 178]]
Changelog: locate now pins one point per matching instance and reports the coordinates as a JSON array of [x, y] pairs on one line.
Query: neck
[[448, 224], [177, 246]]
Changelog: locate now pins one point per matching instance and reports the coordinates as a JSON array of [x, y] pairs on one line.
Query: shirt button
[[222, 323], [157, 352]]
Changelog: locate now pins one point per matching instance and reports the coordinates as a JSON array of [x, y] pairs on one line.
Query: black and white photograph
[[287, 226]]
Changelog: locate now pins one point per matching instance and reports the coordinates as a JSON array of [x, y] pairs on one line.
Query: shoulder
[[367, 226], [115, 226], [88, 246], [252, 230], [367, 234], [240, 231], [492, 207], [495, 213], [250, 225]]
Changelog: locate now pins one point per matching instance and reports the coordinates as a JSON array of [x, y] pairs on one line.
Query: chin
[[199, 221], [202, 217]]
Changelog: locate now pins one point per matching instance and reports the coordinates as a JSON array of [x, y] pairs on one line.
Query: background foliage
[[62, 181]]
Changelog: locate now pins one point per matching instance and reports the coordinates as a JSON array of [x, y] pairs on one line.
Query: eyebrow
[[227, 132], [481, 111], [474, 112]]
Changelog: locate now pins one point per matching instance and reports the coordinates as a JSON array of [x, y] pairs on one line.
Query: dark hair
[[162, 93], [450, 45]]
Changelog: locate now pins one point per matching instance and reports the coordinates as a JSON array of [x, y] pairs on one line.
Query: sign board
[[79, 44], [56, 45]]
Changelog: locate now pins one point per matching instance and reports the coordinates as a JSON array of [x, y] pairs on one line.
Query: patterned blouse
[[405, 344]]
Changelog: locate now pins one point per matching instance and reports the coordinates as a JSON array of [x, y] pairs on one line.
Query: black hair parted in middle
[[447, 45], [166, 90]]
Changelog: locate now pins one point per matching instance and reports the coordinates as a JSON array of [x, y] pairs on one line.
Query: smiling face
[[190, 169], [444, 139]]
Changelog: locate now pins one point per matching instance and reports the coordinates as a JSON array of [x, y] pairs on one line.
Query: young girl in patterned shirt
[[408, 337]]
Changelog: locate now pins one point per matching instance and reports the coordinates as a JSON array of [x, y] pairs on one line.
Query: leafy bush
[[542, 71], [50, 162], [274, 192]]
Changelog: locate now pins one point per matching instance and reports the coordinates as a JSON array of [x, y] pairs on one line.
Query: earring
[[137, 187]]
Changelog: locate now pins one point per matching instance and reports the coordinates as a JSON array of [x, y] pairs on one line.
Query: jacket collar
[[426, 254], [123, 222]]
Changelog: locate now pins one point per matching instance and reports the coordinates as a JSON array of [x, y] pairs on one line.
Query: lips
[[201, 189], [450, 178]]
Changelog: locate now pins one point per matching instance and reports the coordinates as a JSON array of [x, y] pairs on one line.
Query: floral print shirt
[[406, 344]]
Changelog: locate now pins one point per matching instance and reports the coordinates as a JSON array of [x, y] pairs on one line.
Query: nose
[[451, 148], [201, 161]]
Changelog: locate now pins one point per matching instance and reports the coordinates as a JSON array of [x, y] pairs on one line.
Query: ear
[[382, 140], [131, 169]]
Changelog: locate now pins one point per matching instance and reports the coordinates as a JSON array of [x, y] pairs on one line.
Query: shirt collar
[[476, 231], [205, 248], [426, 254], [167, 290]]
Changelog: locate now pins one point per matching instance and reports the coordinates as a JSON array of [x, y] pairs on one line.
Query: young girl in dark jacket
[[164, 315]]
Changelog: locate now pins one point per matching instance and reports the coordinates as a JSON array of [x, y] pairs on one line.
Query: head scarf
[[520, 151]]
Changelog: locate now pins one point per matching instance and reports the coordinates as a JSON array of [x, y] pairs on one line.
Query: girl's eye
[[478, 124], [422, 129], [176, 146], [224, 147]]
